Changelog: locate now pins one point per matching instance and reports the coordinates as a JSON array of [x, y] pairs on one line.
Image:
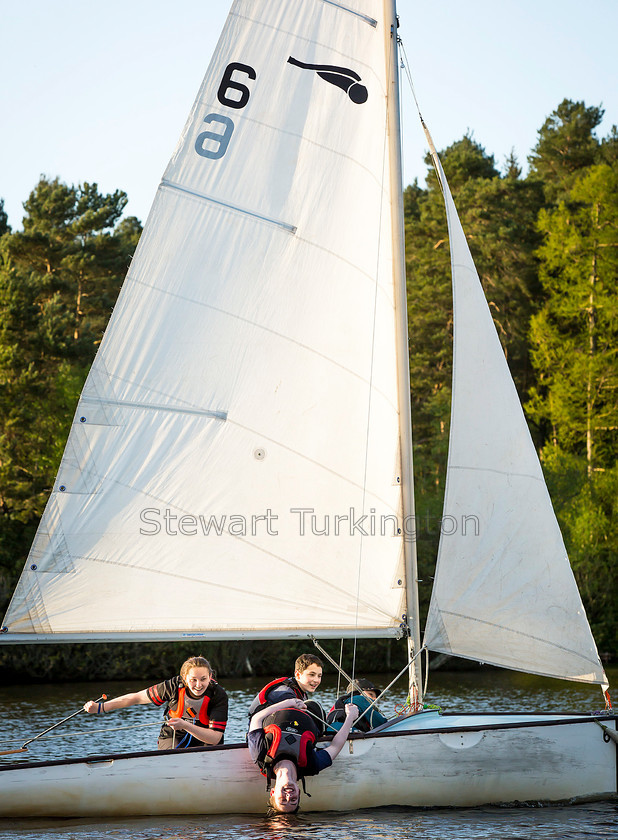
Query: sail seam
[[233, 207], [515, 633], [194, 581], [297, 36], [313, 461], [494, 470], [371, 278], [321, 146], [259, 326], [217, 415], [282, 446]]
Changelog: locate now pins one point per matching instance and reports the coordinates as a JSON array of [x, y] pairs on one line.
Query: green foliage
[[566, 144], [151, 662], [4, 219], [575, 333], [574, 341], [75, 259], [546, 247], [59, 278], [587, 509]]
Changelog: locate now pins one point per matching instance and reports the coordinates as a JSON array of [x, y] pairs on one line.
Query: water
[[582, 822], [30, 709]]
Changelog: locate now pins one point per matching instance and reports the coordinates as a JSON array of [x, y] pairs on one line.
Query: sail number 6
[[233, 94]]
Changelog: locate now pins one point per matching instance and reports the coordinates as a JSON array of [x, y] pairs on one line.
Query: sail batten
[[371, 21], [213, 413], [229, 476], [240, 461], [236, 209]]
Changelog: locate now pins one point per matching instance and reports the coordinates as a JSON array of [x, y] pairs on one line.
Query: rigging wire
[[412, 704], [405, 66]]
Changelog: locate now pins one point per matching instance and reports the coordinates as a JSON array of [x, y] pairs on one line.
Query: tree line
[[546, 247]]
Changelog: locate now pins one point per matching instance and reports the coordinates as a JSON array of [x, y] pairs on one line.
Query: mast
[[403, 359]]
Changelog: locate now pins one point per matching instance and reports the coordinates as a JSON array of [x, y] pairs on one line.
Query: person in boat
[[362, 693], [196, 706], [307, 677], [281, 742]]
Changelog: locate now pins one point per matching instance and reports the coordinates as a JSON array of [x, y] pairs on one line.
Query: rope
[[412, 703], [320, 720], [608, 734], [86, 732]]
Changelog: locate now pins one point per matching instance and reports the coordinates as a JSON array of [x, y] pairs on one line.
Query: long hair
[[195, 662]]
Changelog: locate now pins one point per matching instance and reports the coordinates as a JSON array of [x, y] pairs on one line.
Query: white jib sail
[[232, 469], [504, 592]]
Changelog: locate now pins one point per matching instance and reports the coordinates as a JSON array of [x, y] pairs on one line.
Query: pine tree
[[4, 219], [575, 335], [68, 248], [59, 278], [566, 144], [575, 353]]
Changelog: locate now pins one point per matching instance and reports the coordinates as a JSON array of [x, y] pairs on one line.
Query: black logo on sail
[[341, 77]]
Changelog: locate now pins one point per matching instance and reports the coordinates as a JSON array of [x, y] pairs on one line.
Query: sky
[[99, 91]]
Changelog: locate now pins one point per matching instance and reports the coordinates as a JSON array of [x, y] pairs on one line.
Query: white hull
[[421, 761]]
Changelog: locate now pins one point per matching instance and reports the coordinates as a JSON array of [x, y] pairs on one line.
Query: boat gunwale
[[387, 732]]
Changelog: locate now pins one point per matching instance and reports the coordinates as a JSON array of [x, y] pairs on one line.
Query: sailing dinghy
[[240, 462]]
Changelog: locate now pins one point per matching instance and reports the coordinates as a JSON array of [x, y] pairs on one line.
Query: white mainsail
[[246, 384], [504, 592]]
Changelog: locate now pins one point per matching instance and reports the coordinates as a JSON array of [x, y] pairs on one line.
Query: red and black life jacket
[[290, 734], [261, 700], [188, 708]]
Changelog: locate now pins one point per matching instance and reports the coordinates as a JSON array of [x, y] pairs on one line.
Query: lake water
[[27, 710]]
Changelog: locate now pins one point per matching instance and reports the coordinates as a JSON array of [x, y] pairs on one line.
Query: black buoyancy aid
[[261, 701], [289, 734], [337, 713]]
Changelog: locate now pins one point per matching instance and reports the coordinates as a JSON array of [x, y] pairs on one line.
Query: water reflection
[[581, 822]]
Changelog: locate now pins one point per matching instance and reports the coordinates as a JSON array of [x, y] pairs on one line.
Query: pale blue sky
[[99, 91]]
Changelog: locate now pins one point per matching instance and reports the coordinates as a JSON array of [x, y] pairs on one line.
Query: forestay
[[247, 380], [504, 592]]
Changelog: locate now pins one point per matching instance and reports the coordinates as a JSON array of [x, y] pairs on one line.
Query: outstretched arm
[[259, 717], [138, 697], [336, 745]]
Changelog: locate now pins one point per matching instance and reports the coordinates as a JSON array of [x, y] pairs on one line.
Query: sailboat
[[240, 461]]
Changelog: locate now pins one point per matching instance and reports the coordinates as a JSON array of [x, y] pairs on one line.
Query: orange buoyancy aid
[[189, 708]]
